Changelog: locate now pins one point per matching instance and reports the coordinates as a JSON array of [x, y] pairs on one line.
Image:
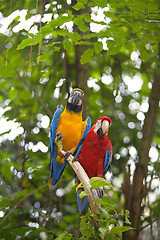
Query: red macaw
[[95, 155], [67, 126]]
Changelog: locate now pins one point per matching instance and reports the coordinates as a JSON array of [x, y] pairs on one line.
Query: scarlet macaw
[[67, 126], [95, 155]]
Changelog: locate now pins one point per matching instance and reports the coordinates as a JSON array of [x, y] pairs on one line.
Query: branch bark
[[50, 114], [84, 179], [138, 186], [21, 201], [82, 70]]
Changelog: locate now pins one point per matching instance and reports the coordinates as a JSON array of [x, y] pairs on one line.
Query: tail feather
[[81, 202]]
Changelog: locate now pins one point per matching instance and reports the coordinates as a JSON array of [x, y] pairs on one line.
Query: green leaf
[[98, 47], [75, 36], [64, 235], [97, 182], [106, 205], [68, 45], [87, 56], [98, 3], [90, 35], [30, 41], [21, 193], [46, 54], [83, 43], [86, 227], [6, 171], [4, 202], [103, 231], [79, 186], [79, 21], [5, 234], [109, 236], [127, 217], [13, 94], [78, 6], [82, 194], [121, 229], [106, 201]]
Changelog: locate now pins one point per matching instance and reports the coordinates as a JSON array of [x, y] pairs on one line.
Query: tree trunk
[[138, 186], [82, 70]]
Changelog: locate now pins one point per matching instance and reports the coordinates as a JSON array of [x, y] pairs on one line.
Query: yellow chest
[[72, 128]]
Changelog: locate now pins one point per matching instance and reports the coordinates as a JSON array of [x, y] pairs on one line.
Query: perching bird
[[95, 155], [69, 131]]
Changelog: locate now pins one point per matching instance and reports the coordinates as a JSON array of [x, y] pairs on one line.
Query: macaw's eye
[[81, 96]]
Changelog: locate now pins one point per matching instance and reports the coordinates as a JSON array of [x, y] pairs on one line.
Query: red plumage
[[93, 151], [95, 154]]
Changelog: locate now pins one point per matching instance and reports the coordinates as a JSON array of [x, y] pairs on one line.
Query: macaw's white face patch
[[76, 97], [105, 127], [97, 126]]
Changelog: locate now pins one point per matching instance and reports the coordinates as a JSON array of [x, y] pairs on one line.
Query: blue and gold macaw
[[67, 126]]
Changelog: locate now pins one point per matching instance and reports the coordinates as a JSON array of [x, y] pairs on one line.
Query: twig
[[154, 220], [50, 114], [22, 200], [84, 179]]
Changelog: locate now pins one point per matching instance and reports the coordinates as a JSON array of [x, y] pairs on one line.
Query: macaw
[[67, 126], [95, 155]]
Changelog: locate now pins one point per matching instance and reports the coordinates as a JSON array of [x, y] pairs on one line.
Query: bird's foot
[[67, 155], [59, 136], [100, 192], [75, 159]]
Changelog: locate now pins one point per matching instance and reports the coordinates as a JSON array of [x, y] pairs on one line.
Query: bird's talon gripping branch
[[75, 159], [67, 155], [59, 136]]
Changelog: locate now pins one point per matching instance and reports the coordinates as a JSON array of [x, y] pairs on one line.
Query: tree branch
[[84, 179], [148, 224], [50, 114], [142, 166], [22, 200]]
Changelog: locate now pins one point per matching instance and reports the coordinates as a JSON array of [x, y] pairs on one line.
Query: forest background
[[109, 49]]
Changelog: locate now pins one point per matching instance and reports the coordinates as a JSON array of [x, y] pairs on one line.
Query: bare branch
[[22, 200], [83, 177], [148, 224], [50, 114]]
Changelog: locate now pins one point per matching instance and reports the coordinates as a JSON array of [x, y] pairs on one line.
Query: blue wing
[[78, 150], [108, 159], [81, 202], [53, 128], [86, 130], [56, 168]]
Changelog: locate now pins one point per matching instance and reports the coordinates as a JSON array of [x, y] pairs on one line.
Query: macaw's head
[[101, 126], [75, 100]]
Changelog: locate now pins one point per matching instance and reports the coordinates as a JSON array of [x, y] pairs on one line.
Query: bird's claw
[[100, 192], [75, 159], [67, 155], [59, 136]]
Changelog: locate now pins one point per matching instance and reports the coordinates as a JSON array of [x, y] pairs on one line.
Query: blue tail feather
[[81, 202]]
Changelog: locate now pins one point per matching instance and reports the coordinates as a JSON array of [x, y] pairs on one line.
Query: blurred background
[[109, 49]]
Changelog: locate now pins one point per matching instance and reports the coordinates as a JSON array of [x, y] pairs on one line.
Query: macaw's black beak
[[75, 99], [100, 132]]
